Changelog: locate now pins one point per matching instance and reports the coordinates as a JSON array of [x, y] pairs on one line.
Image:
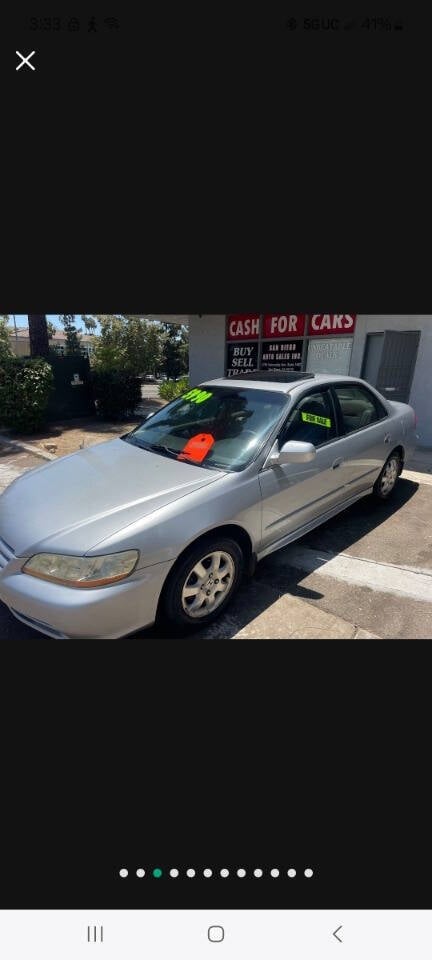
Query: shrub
[[116, 393], [171, 389], [25, 387]]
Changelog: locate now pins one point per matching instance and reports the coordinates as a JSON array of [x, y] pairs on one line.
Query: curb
[[27, 447]]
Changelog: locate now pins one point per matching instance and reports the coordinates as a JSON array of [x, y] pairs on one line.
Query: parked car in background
[[166, 520]]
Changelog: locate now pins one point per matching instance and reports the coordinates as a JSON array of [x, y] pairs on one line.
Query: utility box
[[73, 394]]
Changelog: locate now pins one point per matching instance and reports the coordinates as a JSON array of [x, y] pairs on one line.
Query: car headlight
[[82, 571]]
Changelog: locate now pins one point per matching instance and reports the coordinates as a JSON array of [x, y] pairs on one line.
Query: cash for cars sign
[[243, 326], [284, 325], [325, 323]]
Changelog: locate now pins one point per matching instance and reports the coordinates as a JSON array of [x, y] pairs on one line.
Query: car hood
[[78, 500]]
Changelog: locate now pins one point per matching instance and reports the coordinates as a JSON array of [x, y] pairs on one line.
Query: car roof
[[281, 386]]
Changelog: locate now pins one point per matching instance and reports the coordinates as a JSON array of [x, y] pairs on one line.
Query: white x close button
[[216, 934], [25, 60]]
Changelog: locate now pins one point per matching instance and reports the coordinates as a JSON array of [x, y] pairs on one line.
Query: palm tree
[[38, 333], [89, 323]]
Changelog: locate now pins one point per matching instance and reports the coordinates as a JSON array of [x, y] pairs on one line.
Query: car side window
[[358, 406], [312, 420]]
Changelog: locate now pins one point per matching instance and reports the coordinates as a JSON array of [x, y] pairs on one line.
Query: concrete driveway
[[366, 573]]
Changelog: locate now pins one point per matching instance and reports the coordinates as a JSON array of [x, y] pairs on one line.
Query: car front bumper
[[67, 613]]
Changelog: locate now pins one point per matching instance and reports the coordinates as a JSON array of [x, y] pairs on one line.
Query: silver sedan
[[165, 521]]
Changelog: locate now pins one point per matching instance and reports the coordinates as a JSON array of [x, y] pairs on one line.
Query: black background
[[308, 753], [215, 162]]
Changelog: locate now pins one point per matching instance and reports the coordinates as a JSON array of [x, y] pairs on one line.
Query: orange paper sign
[[197, 447]]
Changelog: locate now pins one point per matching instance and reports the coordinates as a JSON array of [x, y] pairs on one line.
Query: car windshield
[[216, 427]]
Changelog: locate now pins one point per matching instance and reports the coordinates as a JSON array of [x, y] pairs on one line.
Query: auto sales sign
[[325, 323]]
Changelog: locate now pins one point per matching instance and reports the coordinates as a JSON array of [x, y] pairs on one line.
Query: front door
[[295, 494]]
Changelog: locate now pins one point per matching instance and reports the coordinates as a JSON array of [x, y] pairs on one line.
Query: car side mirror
[[294, 451]]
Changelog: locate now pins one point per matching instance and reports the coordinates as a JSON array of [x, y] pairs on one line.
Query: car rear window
[[359, 408]]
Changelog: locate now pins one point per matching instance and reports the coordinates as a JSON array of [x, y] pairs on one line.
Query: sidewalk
[[419, 467], [264, 614]]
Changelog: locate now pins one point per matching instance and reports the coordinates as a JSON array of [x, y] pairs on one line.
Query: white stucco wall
[[206, 347], [421, 389]]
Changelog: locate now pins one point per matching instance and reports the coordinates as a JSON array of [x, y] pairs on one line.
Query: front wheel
[[204, 583], [388, 477]]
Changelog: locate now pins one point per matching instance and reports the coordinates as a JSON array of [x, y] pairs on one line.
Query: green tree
[[128, 342], [175, 350], [5, 345], [89, 323], [38, 333], [73, 339], [52, 329]]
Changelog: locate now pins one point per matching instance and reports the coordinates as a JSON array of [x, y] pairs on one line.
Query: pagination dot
[[140, 872], [308, 872], [241, 872], [123, 872], [190, 872], [224, 872], [292, 872], [274, 872], [174, 872], [258, 872], [208, 872]]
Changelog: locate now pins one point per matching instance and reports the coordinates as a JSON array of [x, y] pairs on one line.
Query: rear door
[[295, 494], [366, 430]]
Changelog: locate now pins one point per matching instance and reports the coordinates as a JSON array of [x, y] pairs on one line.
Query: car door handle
[[387, 438], [337, 463]]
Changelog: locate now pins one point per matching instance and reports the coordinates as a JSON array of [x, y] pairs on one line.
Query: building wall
[[206, 347], [20, 346], [421, 389]]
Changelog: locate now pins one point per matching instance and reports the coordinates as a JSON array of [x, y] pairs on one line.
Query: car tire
[[387, 480], [212, 555]]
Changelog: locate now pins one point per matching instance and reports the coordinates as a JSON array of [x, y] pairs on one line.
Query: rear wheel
[[388, 477], [203, 584]]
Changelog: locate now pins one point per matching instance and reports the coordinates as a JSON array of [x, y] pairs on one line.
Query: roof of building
[[23, 332]]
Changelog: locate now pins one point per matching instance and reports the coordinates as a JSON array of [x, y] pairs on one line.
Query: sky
[[22, 320]]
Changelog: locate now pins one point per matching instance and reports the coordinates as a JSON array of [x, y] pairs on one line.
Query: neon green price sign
[[197, 396]]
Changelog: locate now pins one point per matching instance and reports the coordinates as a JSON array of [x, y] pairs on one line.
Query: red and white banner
[[284, 325], [325, 323], [243, 326]]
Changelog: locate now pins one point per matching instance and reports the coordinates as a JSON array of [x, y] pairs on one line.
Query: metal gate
[[390, 362]]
